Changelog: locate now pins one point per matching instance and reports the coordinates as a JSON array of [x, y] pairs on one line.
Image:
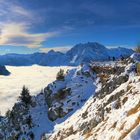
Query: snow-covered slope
[[96, 101], [113, 113], [53, 58], [75, 56], [87, 52], [117, 52], [77, 86]]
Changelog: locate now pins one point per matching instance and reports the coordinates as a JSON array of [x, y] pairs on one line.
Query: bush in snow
[[60, 75], [61, 94], [29, 121]]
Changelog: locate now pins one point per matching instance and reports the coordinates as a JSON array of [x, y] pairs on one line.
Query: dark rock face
[[4, 71], [111, 86], [58, 112]]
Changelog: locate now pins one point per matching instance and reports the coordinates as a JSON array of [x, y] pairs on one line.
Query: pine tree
[[60, 75], [25, 96], [113, 58], [29, 121]]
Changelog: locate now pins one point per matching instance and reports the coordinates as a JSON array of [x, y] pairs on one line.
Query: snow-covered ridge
[[113, 113], [96, 101], [78, 54]]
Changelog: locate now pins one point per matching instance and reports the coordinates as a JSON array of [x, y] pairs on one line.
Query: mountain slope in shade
[[75, 56], [117, 52], [95, 52], [53, 58], [4, 71], [87, 52]]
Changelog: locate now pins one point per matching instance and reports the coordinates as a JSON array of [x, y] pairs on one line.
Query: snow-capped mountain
[[96, 101], [87, 52], [75, 56], [95, 52], [53, 58]]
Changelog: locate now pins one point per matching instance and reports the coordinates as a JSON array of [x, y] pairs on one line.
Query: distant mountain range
[[80, 53]]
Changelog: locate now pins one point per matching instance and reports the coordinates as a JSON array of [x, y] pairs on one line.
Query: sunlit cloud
[[63, 49], [16, 34], [16, 24]]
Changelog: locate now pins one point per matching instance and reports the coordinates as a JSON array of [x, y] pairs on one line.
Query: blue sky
[[28, 26]]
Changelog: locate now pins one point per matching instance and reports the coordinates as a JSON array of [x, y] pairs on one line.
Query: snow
[[84, 84], [74, 59], [34, 77], [40, 118], [104, 129], [136, 57]]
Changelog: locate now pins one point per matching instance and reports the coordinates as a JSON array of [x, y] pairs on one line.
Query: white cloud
[[16, 34], [58, 48]]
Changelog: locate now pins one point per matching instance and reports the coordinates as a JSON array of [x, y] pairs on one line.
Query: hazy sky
[[28, 26]]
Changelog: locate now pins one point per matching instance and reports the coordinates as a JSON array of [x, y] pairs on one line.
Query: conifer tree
[[25, 96], [60, 75]]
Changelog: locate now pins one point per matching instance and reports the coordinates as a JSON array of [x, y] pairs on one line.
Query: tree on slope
[[25, 96], [60, 75]]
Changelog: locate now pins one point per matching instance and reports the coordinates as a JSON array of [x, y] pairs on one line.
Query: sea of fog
[[34, 77]]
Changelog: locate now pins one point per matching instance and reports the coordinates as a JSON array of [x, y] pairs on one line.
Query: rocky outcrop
[[116, 99], [64, 96], [4, 71]]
